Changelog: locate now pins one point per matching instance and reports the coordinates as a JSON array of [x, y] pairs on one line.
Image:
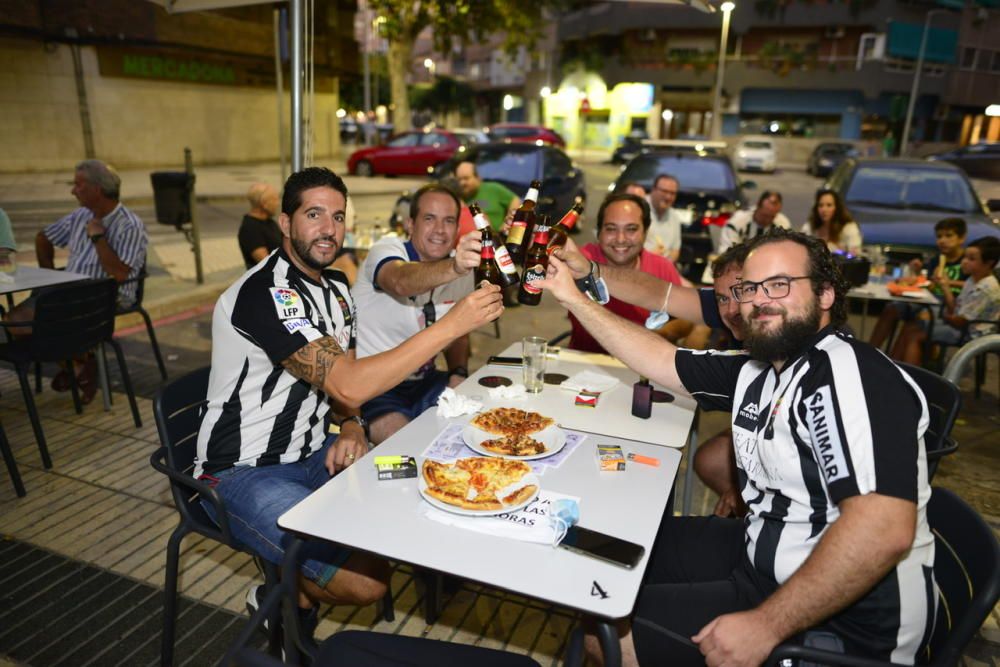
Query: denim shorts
[[410, 397], [256, 496]]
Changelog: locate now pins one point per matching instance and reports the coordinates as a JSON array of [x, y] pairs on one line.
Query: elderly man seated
[[104, 239]]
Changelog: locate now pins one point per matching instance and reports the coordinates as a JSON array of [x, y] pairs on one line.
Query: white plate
[[553, 437], [441, 505]]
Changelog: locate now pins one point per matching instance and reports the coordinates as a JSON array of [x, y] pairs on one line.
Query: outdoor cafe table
[[388, 518], [32, 277], [880, 292]]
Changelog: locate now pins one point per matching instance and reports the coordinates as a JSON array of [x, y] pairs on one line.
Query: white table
[[388, 518], [880, 292], [668, 425]]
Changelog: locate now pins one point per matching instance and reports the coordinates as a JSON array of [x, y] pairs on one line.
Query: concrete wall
[[136, 123]]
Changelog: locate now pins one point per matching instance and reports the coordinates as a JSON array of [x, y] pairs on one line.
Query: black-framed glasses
[[775, 287]]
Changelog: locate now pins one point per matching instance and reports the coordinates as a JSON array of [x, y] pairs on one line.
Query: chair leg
[[152, 340], [8, 457], [274, 621], [127, 381], [170, 596], [388, 612], [980, 374], [38, 377], [36, 424], [74, 388]]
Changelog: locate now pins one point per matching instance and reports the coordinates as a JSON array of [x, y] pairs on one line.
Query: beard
[[787, 340], [303, 250]]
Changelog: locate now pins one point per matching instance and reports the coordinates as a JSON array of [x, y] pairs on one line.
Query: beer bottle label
[[569, 220], [481, 221], [532, 194], [516, 233], [487, 252], [536, 272], [504, 261]]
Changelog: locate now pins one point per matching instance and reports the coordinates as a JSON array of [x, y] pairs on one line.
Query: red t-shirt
[[465, 224], [655, 265]]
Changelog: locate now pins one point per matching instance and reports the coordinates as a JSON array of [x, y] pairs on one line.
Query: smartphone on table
[[506, 361], [604, 547]]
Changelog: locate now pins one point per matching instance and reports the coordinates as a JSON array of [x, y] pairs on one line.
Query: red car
[[527, 133], [414, 152]]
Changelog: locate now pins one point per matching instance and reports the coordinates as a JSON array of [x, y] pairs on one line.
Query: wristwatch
[[361, 421], [460, 371], [94, 238]]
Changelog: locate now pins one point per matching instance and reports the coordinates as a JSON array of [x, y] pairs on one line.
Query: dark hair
[[624, 196], [475, 172], [841, 216], [767, 194], [625, 185], [307, 179], [660, 177], [823, 272], [989, 248], [429, 188], [956, 225], [735, 256]]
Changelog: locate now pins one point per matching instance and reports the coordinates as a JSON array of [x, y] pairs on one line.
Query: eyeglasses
[[775, 287]]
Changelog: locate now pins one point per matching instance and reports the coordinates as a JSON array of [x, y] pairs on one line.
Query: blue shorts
[[945, 333], [905, 310], [256, 496], [410, 397]]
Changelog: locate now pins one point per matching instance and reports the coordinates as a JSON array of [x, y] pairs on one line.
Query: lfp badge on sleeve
[[287, 302]]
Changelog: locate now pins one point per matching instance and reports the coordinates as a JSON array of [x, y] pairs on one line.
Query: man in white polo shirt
[[405, 286]]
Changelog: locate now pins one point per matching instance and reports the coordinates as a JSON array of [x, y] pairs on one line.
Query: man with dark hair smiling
[[283, 339], [828, 435]]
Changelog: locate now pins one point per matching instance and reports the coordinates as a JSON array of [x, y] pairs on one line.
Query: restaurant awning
[[904, 42]]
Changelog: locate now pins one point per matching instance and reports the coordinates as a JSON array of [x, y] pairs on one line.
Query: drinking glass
[[533, 349]]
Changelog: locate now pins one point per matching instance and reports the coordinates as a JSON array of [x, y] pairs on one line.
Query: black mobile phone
[[505, 361], [604, 547]]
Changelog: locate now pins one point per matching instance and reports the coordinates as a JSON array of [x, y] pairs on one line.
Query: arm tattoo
[[313, 361]]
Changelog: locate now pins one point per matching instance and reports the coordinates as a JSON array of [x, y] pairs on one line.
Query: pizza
[[514, 445], [478, 483], [511, 421]]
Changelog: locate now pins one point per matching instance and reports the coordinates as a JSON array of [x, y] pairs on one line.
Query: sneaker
[[308, 618], [255, 598]]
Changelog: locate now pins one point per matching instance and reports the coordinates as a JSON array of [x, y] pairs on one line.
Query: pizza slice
[[511, 421], [478, 483], [515, 445]]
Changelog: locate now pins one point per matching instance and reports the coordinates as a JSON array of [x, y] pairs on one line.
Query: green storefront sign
[[191, 70]]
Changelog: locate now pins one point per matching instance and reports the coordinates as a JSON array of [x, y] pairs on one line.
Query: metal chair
[[8, 457], [938, 362], [944, 400], [178, 409], [967, 571], [136, 307], [69, 321]]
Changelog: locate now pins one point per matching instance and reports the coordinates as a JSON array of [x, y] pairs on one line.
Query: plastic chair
[[353, 648], [136, 307], [937, 363], [944, 400], [178, 409], [967, 571], [69, 320]]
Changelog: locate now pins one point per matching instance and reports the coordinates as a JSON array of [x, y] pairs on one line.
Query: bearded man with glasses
[[828, 438]]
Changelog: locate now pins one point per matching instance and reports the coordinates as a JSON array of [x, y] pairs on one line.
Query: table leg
[[289, 605], [102, 377], [689, 473], [607, 633]]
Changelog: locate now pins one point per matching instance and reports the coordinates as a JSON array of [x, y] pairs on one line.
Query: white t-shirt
[[850, 238], [665, 230], [385, 321], [741, 227]]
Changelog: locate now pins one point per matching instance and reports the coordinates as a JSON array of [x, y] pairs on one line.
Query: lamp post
[[904, 141], [720, 72], [429, 64]]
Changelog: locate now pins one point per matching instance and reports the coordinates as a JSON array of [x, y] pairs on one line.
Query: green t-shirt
[[494, 198]]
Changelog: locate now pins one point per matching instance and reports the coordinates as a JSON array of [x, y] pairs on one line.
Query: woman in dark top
[[259, 234]]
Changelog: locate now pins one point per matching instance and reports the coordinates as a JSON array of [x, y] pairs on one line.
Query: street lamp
[[905, 139], [720, 72], [429, 64]]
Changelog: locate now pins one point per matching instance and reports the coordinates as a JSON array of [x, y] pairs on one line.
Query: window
[[557, 165], [917, 188], [968, 58], [996, 61], [404, 140], [502, 164], [434, 139], [693, 173]]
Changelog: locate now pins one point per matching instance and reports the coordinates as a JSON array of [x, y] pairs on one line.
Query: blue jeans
[[410, 397], [256, 496]]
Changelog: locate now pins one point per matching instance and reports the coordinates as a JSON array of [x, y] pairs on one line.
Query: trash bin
[[171, 195]]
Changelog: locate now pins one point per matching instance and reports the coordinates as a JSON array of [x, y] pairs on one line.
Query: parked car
[[709, 192], [414, 153], [468, 135], [755, 154], [897, 202], [521, 132], [827, 156], [630, 147], [978, 160], [516, 165]]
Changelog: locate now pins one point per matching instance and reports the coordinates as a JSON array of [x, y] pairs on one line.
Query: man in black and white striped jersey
[[828, 437], [283, 339]]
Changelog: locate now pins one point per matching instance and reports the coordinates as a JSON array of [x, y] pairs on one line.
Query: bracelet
[[360, 421], [460, 371], [94, 238], [666, 300]]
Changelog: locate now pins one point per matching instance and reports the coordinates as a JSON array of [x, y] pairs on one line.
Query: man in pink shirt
[[622, 223]]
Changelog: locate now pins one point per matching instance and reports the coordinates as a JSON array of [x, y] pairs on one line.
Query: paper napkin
[[452, 404], [590, 381], [513, 392]]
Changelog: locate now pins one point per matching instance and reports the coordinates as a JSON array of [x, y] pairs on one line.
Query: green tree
[[452, 21]]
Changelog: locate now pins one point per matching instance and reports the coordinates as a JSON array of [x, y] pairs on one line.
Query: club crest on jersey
[[287, 303], [821, 419]]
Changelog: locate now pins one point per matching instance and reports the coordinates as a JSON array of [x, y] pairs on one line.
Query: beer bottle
[[488, 270], [523, 224], [560, 230], [500, 254], [535, 264]]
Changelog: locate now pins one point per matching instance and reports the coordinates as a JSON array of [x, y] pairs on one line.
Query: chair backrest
[[70, 319], [967, 571], [944, 400], [178, 409]]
